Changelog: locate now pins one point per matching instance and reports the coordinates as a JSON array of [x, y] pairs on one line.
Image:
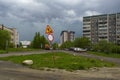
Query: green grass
[[3, 51], [21, 49], [62, 61], [17, 50], [113, 55]]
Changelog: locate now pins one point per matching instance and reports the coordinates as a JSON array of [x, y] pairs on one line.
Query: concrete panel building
[[66, 36], [13, 33], [102, 27]]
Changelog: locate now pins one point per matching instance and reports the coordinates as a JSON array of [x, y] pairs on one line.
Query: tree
[[36, 41], [43, 41], [55, 45], [82, 42], [104, 46], [67, 44], [39, 41], [4, 39]]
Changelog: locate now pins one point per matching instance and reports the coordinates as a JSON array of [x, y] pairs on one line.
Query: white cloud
[[27, 5], [70, 13], [18, 1], [91, 3], [90, 13], [69, 2]]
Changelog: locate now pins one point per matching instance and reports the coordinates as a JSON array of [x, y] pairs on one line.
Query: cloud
[[71, 13], [69, 2], [91, 13], [33, 15]]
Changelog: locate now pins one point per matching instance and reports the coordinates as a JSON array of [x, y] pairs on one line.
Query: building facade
[[66, 36], [102, 27], [25, 44], [13, 33]]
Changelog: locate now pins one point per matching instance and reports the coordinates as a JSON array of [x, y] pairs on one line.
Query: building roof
[[66, 31]]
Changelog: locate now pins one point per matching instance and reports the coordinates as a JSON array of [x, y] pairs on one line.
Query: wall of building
[[102, 27], [13, 33], [66, 36]]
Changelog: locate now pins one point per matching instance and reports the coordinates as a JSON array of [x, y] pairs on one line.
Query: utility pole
[[7, 46]]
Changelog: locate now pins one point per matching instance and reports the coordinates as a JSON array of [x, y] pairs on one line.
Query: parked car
[[71, 48], [79, 49]]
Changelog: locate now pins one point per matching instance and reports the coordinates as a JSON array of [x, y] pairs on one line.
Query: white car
[[79, 50]]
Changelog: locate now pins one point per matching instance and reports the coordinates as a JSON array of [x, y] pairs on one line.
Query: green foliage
[[62, 61], [21, 49], [67, 44], [82, 42], [4, 39], [106, 47], [3, 51], [20, 45], [11, 45], [43, 42], [38, 41], [55, 45]]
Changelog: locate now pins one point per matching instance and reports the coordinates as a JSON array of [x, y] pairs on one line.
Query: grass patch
[[21, 49], [62, 61], [3, 51], [18, 50], [113, 55]]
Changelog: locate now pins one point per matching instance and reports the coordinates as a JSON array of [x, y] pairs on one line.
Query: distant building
[[66, 36], [25, 44], [13, 33], [102, 27]]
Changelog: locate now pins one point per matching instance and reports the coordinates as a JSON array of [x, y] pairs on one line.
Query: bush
[[106, 47]]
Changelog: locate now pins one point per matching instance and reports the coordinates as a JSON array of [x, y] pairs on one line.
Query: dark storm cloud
[[33, 15]]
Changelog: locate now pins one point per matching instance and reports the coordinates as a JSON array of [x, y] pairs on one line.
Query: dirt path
[[10, 71]]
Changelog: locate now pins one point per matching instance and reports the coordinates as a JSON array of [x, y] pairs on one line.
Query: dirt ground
[[10, 71]]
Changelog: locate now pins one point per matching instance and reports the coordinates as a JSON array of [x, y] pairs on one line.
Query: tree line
[[39, 42], [101, 46]]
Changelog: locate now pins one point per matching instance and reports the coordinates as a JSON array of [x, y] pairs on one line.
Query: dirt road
[[10, 71]]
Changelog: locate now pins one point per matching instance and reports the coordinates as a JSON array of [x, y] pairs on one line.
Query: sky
[[30, 16]]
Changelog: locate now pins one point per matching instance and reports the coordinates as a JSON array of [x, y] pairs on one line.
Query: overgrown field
[[62, 61]]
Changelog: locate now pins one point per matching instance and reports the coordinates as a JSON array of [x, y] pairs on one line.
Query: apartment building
[[66, 36], [102, 27], [13, 33]]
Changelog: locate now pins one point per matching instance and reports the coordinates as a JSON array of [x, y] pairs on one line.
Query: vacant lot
[[61, 60]]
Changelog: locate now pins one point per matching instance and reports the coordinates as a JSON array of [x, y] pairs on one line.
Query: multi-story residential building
[[66, 36], [101, 27], [13, 33]]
